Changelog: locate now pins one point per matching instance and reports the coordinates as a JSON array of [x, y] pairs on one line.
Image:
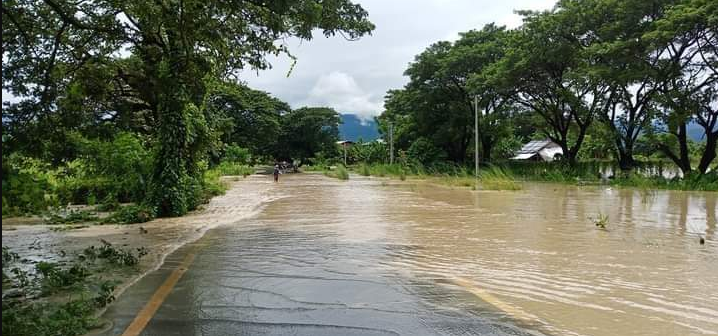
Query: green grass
[[233, 169], [339, 173], [497, 178], [509, 175]]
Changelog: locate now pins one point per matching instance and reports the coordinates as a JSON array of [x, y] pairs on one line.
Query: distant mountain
[[353, 129], [695, 132]]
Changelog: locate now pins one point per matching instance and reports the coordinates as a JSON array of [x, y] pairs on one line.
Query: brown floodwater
[[321, 256], [534, 255]]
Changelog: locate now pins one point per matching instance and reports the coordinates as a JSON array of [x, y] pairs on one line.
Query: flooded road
[[377, 257]]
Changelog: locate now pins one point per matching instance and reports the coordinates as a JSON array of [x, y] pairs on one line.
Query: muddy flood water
[[389, 252]]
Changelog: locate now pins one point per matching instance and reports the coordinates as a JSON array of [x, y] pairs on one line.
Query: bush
[[233, 169], [424, 152], [132, 214], [236, 154], [364, 170], [340, 172], [27, 185], [71, 217]]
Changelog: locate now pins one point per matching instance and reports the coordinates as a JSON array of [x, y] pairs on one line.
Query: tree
[[254, 116], [546, 69], [180, 47], [625, 61], [307, 131], [440, 99], [689, 35]]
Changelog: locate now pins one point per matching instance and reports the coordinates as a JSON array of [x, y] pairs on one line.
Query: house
[[545, 150]]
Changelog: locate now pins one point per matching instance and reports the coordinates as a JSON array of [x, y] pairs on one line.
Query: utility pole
[[476, 136], [391, 143]]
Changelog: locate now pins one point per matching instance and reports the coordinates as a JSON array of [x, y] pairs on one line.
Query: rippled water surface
[[396, 254]]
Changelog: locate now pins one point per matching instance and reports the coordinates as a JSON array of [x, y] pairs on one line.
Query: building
[[545, 150]]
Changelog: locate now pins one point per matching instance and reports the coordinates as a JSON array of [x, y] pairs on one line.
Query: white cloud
[[340, 91], [353, 77]]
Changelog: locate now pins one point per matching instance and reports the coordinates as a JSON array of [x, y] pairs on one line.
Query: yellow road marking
[[149, 310], [493, 300]]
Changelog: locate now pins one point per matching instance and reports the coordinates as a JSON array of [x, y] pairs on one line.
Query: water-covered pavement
[[373, 257]]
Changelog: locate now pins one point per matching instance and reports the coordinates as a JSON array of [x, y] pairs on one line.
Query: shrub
[[340, 172], [27, 185], [424, 152], [73, 216], [364, 170], [234, 169], [132, 214], [236, 154]]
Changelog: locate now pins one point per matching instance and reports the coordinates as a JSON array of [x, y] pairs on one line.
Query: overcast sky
[[353, 76]]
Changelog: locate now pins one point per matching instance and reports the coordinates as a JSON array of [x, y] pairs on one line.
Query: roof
[[523, 156], [533, 147], [345, 142]]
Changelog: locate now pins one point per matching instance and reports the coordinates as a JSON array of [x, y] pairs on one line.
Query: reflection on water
[[532, 256]]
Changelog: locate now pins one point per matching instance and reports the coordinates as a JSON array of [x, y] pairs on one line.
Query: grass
[[601, 221], [233, 169], [508, 175], [497, 178], [340, 172]]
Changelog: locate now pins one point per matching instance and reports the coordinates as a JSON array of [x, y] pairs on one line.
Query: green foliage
[[113, 256], [364, 170], [62, 314], [307, 131], [131, 214], [369, 152], [71, 217], [26, 185], [424, 152], [118, 168], [174, 86], [233, 169], [67, 319], [54, 278], [340, 172], [237, 155]]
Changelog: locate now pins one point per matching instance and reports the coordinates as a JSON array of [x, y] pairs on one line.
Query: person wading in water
[[276, 173]]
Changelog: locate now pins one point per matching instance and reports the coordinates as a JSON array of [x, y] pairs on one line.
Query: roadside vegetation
[[631, 106], [120, 112], [61, 298], [370, 159]]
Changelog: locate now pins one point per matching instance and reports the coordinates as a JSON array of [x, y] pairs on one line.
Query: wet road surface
[[373, 257]]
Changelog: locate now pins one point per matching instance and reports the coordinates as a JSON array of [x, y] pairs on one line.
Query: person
[[276, 172]]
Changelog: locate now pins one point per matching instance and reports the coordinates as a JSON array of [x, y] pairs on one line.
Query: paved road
[[307, 264]]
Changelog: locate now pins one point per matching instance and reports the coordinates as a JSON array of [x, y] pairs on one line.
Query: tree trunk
[[685, 161], [710, 152], [681, 159], [486, 145], [625, 159]]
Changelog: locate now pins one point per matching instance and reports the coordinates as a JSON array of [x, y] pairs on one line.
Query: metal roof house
[[545, 150]]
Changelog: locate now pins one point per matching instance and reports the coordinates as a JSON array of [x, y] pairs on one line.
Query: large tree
[[180, 46], [307, 131], [439, 98], [687, 36], [253, 116], [546, 68], [620, 57]]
